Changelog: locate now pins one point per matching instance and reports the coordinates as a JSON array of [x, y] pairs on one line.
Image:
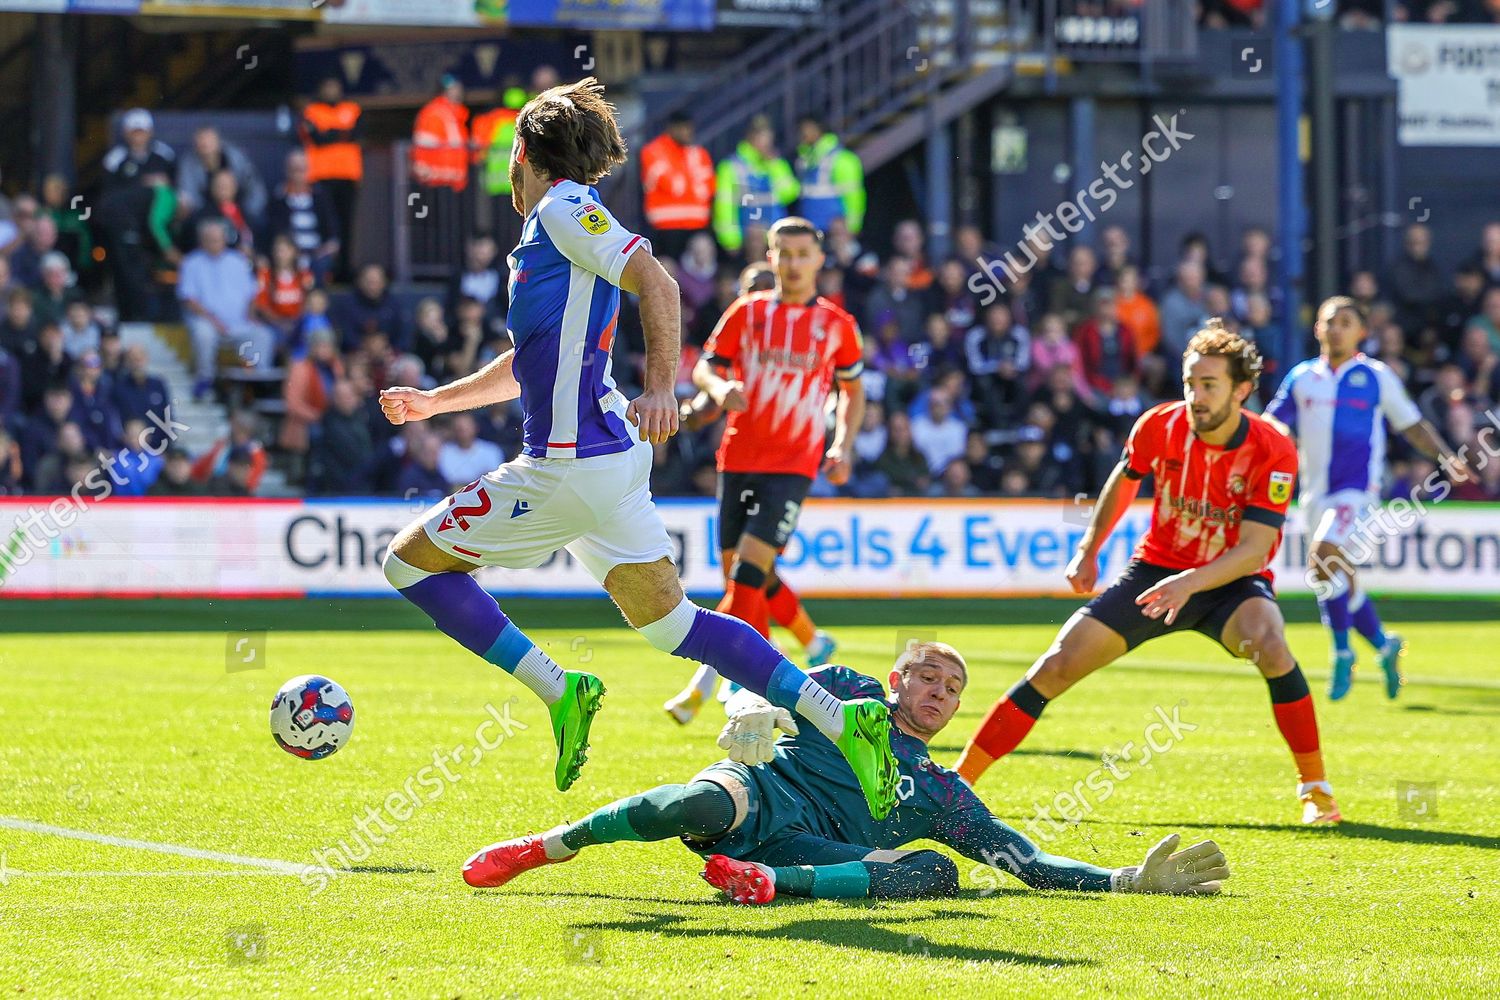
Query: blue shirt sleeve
[[190, 279], [1284, 406]]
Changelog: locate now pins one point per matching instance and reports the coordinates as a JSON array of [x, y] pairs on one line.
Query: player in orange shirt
[[1224, 478], [770, 364], [786, 607]]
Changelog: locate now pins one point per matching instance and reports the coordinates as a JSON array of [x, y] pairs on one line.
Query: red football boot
[[742, 881], [499, 863]]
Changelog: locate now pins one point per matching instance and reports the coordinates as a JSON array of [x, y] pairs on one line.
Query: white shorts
[[518, 516], [1332, 518]]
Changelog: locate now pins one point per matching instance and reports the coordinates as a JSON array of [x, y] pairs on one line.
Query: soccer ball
[[311, 717]]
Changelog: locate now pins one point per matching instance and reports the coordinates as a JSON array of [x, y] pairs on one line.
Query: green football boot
[[866, 745], [572, 714]]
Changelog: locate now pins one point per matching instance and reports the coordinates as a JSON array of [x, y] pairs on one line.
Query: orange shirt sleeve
[[1143, 445], [849, 359], [1275, 482], [724, 342]]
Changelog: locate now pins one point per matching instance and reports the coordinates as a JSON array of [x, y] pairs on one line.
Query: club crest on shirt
[[1237, 484], [592, 218], [1280, 489], [1358, 378]]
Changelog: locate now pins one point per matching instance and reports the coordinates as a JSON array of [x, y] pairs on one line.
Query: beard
[[515, 189], [1213, 421]]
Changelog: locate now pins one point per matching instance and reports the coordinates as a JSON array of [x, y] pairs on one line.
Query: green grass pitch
[[140, 721]]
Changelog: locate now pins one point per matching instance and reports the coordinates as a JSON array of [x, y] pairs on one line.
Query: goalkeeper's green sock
[[850, 880], [701, 810], [921, 873]]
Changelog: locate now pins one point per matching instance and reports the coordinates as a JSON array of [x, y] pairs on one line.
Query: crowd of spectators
[[1029, 390], [1023, 386]]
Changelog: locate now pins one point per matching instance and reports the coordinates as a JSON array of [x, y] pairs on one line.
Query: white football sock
[[822, 709], [552, 844], [541, 674]]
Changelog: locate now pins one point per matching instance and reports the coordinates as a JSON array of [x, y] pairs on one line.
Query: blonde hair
[[918, 653]]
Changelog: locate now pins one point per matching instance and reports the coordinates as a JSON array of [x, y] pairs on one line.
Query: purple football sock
[[1367, 620], [460, 608], [1334, 610], [741, 654]]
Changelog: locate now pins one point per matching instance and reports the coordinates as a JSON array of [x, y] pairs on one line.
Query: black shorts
[[1207, 611], [762, 505]]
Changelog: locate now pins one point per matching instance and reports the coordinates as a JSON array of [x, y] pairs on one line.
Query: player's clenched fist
[[402, 403], [1083, 572], [836, 466], [655, 414]]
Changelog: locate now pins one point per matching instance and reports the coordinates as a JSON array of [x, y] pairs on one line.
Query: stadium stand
[[1027, 395]]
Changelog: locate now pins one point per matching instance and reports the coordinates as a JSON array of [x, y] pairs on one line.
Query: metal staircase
[[865, 68], [882, 73]]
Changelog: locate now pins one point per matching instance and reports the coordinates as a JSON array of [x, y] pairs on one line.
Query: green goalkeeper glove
[[1195, 870]]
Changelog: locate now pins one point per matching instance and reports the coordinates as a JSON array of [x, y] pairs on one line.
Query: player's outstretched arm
[[494, 383], [1119, 493], [979, 835], [654, 411]]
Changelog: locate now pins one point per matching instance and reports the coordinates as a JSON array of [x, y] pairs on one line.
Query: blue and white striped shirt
[[564, 306]]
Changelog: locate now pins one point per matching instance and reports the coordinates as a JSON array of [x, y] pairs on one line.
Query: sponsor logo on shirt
[[1188, 507], [1280, 488], [592, 218]]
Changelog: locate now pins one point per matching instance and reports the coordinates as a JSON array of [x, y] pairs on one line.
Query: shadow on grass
[[860, 930], [612, 897], [1358, 831], [1443, 710]]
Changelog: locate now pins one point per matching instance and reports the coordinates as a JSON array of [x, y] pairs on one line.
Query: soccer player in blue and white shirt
[[1337, 405], [582, 482]]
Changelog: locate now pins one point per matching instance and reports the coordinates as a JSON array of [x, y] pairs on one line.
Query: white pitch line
[[27, 826], [143, 874]]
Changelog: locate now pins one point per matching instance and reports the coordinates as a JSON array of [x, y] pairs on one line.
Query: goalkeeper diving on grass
[[788, 818]]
